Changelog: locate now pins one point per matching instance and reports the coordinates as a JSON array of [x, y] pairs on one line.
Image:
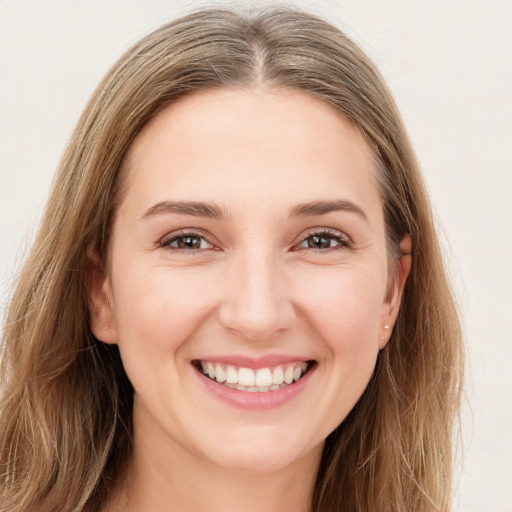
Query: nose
[[257, 303]]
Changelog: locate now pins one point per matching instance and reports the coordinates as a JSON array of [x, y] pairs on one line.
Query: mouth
[[261, 380]]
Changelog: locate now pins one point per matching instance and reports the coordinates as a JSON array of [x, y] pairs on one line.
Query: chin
[[263, 453]]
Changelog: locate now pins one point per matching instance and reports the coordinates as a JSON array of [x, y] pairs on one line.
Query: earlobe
[[99, 299], [396, 289]]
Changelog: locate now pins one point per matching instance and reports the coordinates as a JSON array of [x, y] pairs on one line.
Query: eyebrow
[[196, 209], [323, 207], [212, 211]]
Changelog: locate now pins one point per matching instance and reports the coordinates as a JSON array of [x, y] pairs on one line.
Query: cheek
[[344, 312], [158, 308], [345, 306]]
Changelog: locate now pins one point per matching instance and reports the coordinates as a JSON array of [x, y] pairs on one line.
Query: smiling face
[[249, 245]]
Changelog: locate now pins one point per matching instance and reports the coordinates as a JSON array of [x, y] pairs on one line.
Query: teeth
[[247, 379], [220, 374], [263, 377], [231, 375], [278, 375]]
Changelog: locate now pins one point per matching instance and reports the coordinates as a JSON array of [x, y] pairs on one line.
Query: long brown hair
[[66, 404]]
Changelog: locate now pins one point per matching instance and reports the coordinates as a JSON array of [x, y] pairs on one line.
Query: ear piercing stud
[[383, 338]]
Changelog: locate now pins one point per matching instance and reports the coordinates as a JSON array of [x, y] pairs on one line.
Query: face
[[248, 284]]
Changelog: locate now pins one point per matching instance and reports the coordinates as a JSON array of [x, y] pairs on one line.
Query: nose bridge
[[257, 303]]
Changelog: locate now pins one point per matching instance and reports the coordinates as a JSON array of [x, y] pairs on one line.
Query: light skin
[[250, 226]]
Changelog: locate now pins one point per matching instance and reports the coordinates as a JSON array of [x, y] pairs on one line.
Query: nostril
[[256, 304], [256, 323]]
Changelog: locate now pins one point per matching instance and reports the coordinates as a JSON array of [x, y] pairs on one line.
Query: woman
[[236, 299]]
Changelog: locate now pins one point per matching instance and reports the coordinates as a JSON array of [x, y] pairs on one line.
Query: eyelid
[[343, 239], [166, 240]]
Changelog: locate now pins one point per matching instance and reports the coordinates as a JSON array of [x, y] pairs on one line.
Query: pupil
[[319, 242], [189, 242]]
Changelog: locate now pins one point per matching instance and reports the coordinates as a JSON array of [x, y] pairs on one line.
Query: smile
[[259, 380]]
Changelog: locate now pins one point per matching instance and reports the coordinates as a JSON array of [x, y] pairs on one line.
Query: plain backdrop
[[449, 64]]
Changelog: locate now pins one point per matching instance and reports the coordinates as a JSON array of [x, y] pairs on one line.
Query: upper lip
[[254, 363]]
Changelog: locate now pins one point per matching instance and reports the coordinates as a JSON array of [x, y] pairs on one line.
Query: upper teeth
[[249, 378]]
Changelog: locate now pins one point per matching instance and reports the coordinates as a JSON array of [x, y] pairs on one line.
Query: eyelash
[[174, 237], [342, 240], [332, 235]]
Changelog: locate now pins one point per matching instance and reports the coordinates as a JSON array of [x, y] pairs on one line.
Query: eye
[[186, 242], [324, 241]]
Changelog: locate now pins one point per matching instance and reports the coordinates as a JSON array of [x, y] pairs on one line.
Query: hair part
[[66, 404]]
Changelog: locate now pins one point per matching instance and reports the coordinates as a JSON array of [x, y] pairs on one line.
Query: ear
[[100, 301], [395, 290]]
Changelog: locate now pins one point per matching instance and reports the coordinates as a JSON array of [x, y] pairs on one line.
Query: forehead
[[278, 143]]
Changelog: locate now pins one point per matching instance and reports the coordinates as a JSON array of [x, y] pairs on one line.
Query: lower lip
[[258, 400]]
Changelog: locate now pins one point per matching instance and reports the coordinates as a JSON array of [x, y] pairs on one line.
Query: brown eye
[[187, 242], [324, 241], [319, 242]]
